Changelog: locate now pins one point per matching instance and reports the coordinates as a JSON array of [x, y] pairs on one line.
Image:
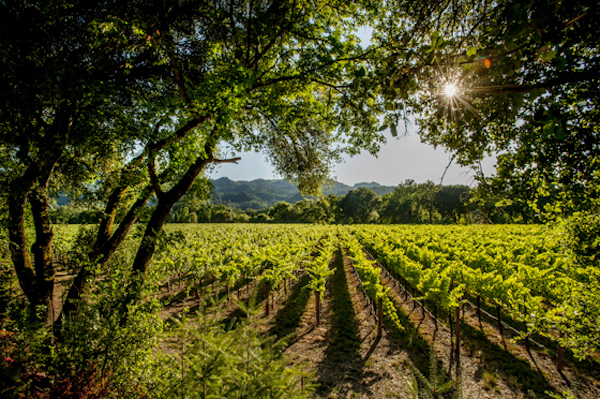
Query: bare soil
[[349, 362], [487, 356], [354, 365]]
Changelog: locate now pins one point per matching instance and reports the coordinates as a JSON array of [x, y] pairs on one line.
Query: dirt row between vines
[[486, 354], [342, 350], [349, 362]]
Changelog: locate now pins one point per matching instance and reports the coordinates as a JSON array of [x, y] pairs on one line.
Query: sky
[[399, 159]]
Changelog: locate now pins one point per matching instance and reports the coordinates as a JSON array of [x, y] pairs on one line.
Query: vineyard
[[353, 311]]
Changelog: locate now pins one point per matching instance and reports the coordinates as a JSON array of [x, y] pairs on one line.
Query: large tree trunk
[[42, 252], [38, 284], [18, 242], [105, 246], [166, 201]]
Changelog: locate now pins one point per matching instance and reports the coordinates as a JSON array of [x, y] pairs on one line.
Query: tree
[[60, 91], [330, 205], [449, 201], [524, 79], [136, 97], [360, 206], [401, 205], [309, 211], [280, 211]]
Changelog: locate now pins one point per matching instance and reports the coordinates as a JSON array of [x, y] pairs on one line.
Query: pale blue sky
[[400, 159]]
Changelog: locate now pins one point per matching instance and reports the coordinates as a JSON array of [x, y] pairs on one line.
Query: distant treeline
[[409, 202]]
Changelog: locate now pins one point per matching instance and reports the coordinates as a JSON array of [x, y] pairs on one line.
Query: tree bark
[[104, 248], [110, 212], [42, 252], [18, 243], [38, 285], [166, 201]]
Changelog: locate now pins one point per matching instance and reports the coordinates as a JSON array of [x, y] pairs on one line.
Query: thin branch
[[259, 55], [446, 169], [337, 88], [310, 71], [475, 25], [232, 160], [249, 33], [573, 77], [179, 134], [177, 74], [153, 176], [571, 22]]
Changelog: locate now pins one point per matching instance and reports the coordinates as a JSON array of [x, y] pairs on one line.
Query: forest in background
[[277, 201]]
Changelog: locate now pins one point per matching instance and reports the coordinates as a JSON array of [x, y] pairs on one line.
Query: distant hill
[[262, 193]]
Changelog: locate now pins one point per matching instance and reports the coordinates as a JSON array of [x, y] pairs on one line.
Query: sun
[[450, 90]]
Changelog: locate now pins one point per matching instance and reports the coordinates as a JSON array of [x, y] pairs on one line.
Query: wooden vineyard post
[[524, 310], [479, 312], [451, 326], [500, 325], [379, 318], [318, 306], [526, 336], [458, 340], [560, 355], [267, 298]]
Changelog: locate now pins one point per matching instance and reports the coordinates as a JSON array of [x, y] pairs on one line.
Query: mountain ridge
[[264, 193]]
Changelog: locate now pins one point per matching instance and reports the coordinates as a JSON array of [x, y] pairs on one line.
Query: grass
[[490, 381]]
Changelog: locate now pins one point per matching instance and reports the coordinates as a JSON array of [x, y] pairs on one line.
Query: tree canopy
[[128, 101], [524, 86]]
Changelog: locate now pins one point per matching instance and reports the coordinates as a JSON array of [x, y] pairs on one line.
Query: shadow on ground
[[289, 316], [342, 368], [516, 372]]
